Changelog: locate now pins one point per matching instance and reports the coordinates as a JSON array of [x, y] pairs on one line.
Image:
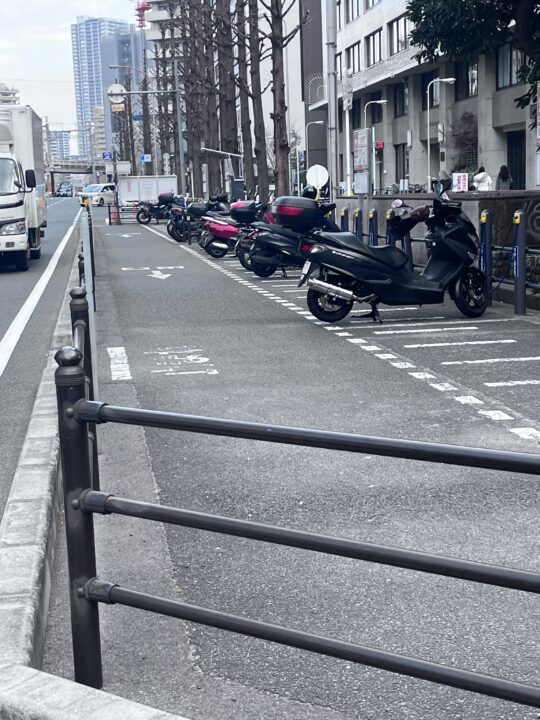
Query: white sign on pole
[[460, 182], [317, 175], [146, 158], [116, 93], [123, 167], [361, 150]]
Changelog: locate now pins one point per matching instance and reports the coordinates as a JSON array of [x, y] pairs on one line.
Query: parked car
[[64, 191], [98, 194]]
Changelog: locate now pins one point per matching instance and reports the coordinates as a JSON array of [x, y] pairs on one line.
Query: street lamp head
[[318, 122], [450, 81], [381, 102]]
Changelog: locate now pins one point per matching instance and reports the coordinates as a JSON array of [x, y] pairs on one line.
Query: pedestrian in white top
[[482, 181]]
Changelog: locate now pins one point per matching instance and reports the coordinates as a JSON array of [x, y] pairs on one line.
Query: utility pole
[[180, 127], [116, 198], [332, 98]]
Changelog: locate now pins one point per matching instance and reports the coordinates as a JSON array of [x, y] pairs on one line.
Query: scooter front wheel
[[326, 308], [243, 256], [143, 217], [470, 294], [261, 270]]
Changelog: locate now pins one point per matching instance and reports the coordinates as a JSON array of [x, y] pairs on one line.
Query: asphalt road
[[211, 339], [21, 377]]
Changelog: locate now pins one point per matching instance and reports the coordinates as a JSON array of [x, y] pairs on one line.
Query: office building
[[86, 36]]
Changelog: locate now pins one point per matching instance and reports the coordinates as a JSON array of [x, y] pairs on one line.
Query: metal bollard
[[76, 473], [390, 239], [358, 223], [520, 263], [344, 214], [80, 267], [486, 253], [373, 228]]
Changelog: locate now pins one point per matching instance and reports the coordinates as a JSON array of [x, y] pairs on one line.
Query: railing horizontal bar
[[100, 591], [391, 447], [100, 502]]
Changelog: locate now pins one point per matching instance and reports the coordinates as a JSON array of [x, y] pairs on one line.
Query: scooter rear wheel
[[471, 297], [214, 251], [261, 270], [326, 308], [243, 256]]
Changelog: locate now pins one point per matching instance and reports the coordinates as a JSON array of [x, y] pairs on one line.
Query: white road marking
[[158, 275], [20, 321], [402, 365], [495, 414], [186, 372], [135, 268], [491, 360], [386, 356], [422, 375], [425, 330], [119, 363], [430, 321], [512, 383], [370, 348], [464, 342], [443, 387], [527, 433], [355, 341], [468, 400], [339, 334]]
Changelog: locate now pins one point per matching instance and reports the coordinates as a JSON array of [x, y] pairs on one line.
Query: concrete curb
[[27, 539]]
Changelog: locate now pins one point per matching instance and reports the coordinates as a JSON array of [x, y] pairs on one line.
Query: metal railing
[[78, 414]]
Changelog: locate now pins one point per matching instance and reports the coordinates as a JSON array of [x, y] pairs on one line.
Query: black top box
[[244, 211], [297, 213], [198, 209], [166, 198]]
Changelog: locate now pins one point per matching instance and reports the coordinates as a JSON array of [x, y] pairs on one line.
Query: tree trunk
[[147, 133], [214, 172], [279, 115], [227, 89], [256, 99], [247, 143]]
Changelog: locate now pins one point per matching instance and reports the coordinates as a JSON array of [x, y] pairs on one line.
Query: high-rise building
[[59, 144], [8, 95], [86, 36]]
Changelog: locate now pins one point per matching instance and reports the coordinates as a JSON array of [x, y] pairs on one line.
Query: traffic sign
[[137, 117], [107, 155], [116, 93], [146, 158]]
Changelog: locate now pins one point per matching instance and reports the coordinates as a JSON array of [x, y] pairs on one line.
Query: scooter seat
[[389, 255]]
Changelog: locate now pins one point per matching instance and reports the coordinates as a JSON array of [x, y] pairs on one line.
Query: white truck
[[23, 208]]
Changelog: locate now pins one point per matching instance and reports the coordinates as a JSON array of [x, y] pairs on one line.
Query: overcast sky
[[35, 50]]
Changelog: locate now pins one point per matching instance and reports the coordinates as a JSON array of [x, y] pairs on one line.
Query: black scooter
[[347, 270]]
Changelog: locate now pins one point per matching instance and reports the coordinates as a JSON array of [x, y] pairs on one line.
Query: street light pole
[[311, 122], [373, 157], [448, 81]]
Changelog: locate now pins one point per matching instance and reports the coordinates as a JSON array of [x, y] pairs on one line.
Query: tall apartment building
[[59, 141], [86, 36], [472, 122]]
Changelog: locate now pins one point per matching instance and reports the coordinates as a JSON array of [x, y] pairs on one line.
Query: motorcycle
[[186, 223], [160, 210], [224, 234], [347, 270]]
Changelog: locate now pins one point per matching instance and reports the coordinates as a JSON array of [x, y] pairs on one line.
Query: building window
[[509, 63], [434, 91], [371, 3], [356, 114], [374, 48], [353, 58], [339, 13], [402, 161], [376, 109], [352, 10], [398, 34], [401, 98], [339, 67], [466, 75]]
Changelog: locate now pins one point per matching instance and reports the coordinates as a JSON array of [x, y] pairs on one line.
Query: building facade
[[473, 120], [59, 141], [86, 36]]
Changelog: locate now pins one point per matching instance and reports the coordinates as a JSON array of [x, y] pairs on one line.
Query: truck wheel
[[23, 259]]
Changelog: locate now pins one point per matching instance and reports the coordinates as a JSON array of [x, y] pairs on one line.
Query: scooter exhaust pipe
[[328, 289], [220, 245]]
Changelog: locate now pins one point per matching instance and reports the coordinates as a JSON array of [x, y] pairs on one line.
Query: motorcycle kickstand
[[284, 272], [374, 314]]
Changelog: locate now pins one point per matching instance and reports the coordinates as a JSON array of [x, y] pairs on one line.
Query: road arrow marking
[[159, 275]]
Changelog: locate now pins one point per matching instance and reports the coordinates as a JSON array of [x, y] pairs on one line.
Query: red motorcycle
[[223, 234]]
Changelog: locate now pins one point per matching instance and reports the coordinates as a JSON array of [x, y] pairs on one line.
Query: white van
[[98, 194]]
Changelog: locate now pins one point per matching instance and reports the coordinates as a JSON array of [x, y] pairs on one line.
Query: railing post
[[79, 313], [486, 252], [76, 474], [358, 224], [344, 214], [92, 257], [81, 267], [520, 263], [373, 231]]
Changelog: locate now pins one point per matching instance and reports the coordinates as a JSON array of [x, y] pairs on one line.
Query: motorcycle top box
[[165, 198], [297, 213], [244, 211], [198, 209]]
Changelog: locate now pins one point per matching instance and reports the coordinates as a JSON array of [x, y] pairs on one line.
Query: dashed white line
[[456, 344], [527, 433], [119, 363], [425, 330], [468, 400], [422, 375], [370, 348], [443, 387], [495, 414], [486, 361], [512, 383], [355, 341], [402, 365]]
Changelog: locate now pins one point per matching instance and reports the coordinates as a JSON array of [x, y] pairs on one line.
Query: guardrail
[[78, 416]]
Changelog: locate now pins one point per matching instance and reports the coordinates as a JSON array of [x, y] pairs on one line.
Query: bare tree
[[245, 120], [256, 99], [228, 123]]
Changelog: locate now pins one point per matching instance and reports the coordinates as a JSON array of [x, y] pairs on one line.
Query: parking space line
[[512, 383], [119, 363], [463, 342], [488, 361], [426, 330]]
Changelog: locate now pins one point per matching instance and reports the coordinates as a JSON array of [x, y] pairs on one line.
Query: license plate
[[305, 272]]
